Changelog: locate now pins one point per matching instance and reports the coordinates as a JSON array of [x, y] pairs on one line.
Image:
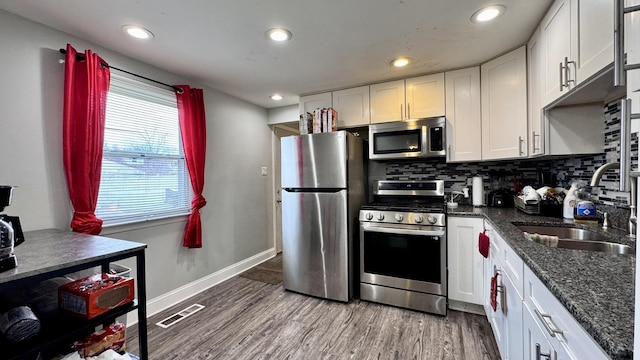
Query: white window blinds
[[144, 173]]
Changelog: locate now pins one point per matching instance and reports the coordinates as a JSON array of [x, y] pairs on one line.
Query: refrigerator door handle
[[312, 190]]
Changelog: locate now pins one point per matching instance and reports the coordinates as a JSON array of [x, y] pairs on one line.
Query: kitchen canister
[[586, 208], [478, 191]]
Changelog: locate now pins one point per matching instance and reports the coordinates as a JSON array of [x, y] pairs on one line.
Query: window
[[144, 172]]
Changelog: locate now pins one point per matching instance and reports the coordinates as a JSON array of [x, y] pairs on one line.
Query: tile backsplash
[[563, 170]]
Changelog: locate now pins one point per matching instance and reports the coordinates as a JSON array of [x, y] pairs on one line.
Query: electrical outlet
[[263, 171]]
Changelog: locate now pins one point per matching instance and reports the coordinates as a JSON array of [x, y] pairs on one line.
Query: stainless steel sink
[[578, 239], [562, 232], [602, 246]]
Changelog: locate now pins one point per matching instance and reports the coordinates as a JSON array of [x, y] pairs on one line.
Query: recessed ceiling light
[[487, 13], [137, 32], [276, 97], [400, 62], [279, 34]]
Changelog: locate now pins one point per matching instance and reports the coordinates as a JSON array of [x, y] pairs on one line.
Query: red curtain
[[194, 140], [86, 83]]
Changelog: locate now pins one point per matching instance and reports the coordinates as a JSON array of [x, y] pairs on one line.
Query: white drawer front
[[513, 268], [552, 315]]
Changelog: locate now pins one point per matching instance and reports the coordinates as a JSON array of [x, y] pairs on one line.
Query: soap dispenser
[[570, 201]]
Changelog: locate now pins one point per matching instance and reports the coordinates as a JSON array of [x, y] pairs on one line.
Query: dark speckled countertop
[[596, 288]]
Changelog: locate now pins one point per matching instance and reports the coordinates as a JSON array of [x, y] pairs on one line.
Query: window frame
[[132, 87]]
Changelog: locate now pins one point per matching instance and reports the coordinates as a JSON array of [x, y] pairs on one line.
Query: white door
[[555, 31], [311, 102], [536, 345], [387, 102], [279, 131], [424, 96], [536, 59], [465, 261], [352, 106], [503, 83], [512, 313], [591, 37], [463, 115]]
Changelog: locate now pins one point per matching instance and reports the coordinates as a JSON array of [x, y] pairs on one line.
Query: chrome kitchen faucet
[[595, 179]]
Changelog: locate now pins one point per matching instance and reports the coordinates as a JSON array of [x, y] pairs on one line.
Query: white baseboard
[[193, 288]]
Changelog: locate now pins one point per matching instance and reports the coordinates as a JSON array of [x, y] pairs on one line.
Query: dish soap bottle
[[570, 201]]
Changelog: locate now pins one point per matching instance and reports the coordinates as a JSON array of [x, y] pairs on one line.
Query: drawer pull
[[539, 353], [548, 323]]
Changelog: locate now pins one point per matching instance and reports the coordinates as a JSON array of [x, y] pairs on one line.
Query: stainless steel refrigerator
[[323, 190]]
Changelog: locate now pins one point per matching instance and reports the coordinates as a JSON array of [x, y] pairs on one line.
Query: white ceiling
[[336, 43]]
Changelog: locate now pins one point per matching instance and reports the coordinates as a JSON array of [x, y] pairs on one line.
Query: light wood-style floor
[[248, 319]]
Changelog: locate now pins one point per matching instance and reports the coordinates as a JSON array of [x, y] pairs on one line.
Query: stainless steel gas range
[[403, 246]]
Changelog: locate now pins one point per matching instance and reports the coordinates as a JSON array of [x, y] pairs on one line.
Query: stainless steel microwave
[[418, 138]]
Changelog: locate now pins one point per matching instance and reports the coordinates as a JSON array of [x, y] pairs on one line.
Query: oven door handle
[[403, 231]]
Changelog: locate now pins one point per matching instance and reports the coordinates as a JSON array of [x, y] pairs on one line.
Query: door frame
[[278, 131]]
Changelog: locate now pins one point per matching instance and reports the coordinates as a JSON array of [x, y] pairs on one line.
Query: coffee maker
[[11, 234]]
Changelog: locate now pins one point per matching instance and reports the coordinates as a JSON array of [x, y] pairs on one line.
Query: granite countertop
[[596, 288]]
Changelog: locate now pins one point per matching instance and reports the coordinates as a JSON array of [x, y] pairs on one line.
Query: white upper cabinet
[[312, 102], [387, 102], [577, 36], [555, 32], [463, 115], [591, 36], [504, 106], [424, 96], [536, 115], [413, 98], [352, 106]]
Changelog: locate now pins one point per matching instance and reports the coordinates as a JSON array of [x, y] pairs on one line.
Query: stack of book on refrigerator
[[319, 121]]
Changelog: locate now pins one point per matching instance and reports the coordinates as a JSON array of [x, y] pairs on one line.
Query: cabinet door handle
[[567, 71], [534, 142], [548, 324], [408, 111], [561, 80], [520, 141], [625, 144], [539, 353], [401, 117], [618, 44]]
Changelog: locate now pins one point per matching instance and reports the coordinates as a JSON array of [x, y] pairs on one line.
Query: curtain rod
[[81, 57]]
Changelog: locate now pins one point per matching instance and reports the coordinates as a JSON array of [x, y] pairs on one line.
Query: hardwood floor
[[248, 319]]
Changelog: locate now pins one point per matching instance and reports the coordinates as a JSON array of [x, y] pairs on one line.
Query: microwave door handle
[[424, 138], [394, 230]]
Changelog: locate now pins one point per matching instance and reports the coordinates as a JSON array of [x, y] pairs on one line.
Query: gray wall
[[237, 219]]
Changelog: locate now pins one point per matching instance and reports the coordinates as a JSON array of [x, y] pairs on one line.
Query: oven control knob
[[368, 216], [418, 219], [432, 219], [399, 217], [381, 216]]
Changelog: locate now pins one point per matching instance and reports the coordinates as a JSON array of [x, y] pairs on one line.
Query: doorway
[[279, 131]]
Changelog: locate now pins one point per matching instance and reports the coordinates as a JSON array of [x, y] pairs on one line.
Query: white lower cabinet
[[506, 320], [562, 331], [512, 310], [529, 321], [536, 345], [464, 260]]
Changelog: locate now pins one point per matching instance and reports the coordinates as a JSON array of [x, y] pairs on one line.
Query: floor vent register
[[171, 320]]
